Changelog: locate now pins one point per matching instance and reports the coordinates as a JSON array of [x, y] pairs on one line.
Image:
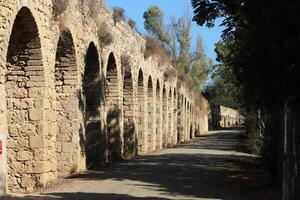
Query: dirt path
[[207, 168]]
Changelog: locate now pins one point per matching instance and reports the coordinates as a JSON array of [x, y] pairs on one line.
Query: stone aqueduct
[[68, 103]]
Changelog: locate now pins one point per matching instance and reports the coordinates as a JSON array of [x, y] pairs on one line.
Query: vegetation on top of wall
[[104, 35], [118, 14], [95, 7], [153, 47], [192, 65], [125, 63], [132, 24], [59, 7], [170, 73]]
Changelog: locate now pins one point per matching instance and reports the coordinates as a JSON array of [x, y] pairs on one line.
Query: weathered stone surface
[[36, 142], [36, 114], [24, 155], [35, 167], [67, 147]]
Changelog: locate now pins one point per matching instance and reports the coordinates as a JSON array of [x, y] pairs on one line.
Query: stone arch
[[113, 141], [158, 116], [189, 126], [25, 88], [185, 119], [66, 81], [174, 113], [170, 105], [150, 115], [141, 133], [128, 115], [92, 92], [179, 116], [164, 117]]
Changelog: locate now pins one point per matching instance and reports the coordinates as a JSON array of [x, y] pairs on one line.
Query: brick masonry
[[70, 103]]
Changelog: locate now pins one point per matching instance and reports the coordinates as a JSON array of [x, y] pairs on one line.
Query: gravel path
[[207, 168]]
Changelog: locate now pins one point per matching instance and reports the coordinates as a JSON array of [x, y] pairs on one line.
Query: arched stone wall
[[63, 109], [25, 87], [169, 116], [128, 116], [92, 98], [175, 121], [113, 116], [164, 118], [66, 87], [150, 115], [158, 116], [141, 114]]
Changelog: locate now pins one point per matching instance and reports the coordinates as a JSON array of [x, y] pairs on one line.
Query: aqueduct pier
[[69, 103]]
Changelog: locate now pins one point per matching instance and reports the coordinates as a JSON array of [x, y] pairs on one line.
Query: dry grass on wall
[[59, 7], [154, 48], [105, 36], [118, 14], [132, 24]]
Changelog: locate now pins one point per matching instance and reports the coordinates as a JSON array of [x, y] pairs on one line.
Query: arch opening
[[174, 116], [185, 123], [25, 87], [158, 117], [150, 116], [113, 116], [128, 116], [169, 116], [92, 92], [164, 118], [66, 79], [141, 134]]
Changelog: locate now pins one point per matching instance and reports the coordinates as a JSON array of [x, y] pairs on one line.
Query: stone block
[[13, 131], [28, 129], [67, 147], [36, 114], [36, 92], [27, 181], [39, 154], [50, 116], [24, 156], [36, 141], [35, 167]]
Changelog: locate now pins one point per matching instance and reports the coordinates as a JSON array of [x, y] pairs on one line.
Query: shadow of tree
[[194, 173], [187, 170], [113, 135], [90, 99], [130, 141], [83, 196]]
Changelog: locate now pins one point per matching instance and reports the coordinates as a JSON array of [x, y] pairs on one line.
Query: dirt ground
[[207, 168]]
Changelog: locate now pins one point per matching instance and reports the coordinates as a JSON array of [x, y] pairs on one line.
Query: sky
[[136, 8]]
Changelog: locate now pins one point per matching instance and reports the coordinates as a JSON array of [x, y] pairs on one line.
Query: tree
[[182, 30], [153, 23], [262, 50], [176, 39], [263, 42], [200, 66]]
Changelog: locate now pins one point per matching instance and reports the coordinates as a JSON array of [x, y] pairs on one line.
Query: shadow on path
[[87, 196], [208, 167]]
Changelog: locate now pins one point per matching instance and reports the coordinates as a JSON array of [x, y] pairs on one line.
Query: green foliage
[[263, 42], [200, 65], [153, 23], [224, 89], [176, 40], [262, 50]]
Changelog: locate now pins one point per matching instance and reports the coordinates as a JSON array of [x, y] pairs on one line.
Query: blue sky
[[135, 9]]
